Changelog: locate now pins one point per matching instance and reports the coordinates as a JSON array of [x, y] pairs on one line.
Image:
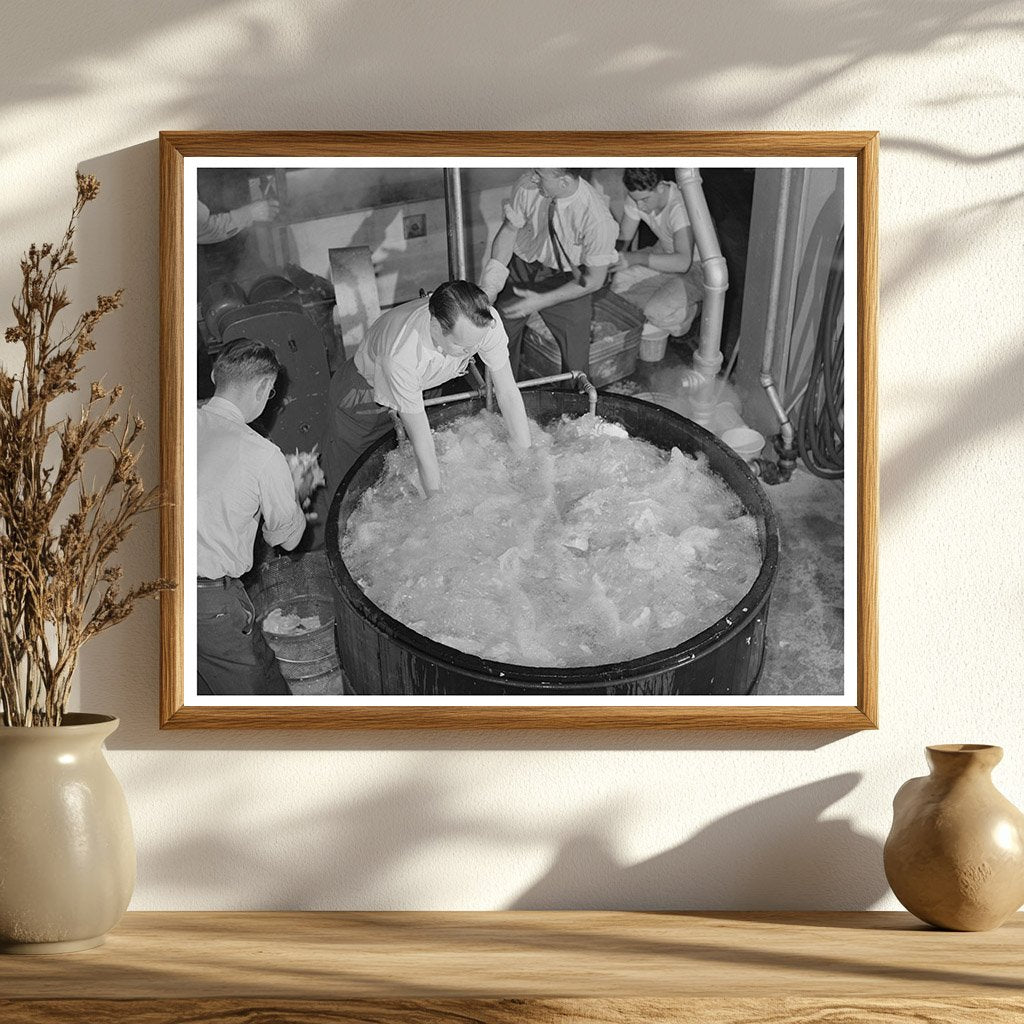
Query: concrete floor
[[805, 624], [804, 652]]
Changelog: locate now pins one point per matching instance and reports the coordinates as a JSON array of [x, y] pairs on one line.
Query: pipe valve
[[582, 382]]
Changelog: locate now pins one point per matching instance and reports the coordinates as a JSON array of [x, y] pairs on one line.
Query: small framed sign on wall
[[519, 430]]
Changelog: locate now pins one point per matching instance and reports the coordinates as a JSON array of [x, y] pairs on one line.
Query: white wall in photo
[[627, 820], [401, 265]]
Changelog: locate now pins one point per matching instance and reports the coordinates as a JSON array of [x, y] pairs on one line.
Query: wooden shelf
[[507, 968]]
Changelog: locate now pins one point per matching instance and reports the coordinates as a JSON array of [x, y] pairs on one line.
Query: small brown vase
[[955, 854], [67, 856]]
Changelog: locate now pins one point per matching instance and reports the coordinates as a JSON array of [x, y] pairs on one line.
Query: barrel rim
[[565, 678]]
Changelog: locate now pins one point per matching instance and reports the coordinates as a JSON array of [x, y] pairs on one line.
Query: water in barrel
[[593, 547]]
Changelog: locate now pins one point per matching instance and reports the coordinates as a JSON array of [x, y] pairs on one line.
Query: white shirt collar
[[227, 409]]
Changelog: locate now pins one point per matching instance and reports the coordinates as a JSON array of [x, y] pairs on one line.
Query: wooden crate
[[614, 344]]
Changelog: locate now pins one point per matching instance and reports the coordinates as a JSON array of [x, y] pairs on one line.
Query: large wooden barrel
[[383, 656]]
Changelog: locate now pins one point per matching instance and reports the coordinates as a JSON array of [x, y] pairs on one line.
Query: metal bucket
[[383, 656], [308, 661]]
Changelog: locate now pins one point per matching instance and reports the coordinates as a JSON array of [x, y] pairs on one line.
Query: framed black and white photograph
[[519, 430]]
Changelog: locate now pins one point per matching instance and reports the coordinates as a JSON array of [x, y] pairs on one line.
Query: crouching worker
[[550, 255], [664, 280], [243, 479], [418, 345]]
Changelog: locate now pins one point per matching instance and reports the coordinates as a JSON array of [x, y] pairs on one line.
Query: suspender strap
[[561, 256]]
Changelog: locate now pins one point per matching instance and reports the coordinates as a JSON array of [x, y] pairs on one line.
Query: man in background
[[664, 280], [218, 227], [551, 253]]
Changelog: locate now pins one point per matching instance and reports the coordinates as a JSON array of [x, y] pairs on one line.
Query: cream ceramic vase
[[955, 855], [67, 855]]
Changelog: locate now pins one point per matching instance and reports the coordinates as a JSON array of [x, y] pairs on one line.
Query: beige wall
[[337, 820]]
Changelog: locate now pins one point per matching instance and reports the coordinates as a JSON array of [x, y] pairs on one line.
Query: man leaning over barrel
[[415, 346]]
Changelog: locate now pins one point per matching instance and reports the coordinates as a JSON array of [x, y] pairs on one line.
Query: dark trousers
[[354, 422], [233, 658], [569, 322]]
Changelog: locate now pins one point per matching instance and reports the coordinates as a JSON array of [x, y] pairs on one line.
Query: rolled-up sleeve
[[283, 520], [398, 387], [600, 233], [678, 218], [517, 209], [216, 227], [494, 350], [630, 213]]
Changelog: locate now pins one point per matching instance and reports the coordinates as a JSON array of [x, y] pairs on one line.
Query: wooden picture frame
[[859, 151]]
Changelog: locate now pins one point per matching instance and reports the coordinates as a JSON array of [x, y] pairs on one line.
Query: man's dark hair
[[642, 179], [244, 361], [454, 299]]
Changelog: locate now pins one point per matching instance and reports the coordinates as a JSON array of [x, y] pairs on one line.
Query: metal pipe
[[483, 385], [396, 421], [537, 381], [781, 471], [767, 381], [580, 379], [794, 280], [733, 357], [445, 399], [800, 394], [582, 382], [707, 360], [455, 225], [457, 261]]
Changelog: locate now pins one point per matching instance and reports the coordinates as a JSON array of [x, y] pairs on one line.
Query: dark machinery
[[291, 312]]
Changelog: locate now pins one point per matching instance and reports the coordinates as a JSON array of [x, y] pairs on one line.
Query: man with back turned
[[243, 479]]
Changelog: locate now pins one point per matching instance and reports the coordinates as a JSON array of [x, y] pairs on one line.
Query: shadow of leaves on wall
[[778, 853], [965, 417]]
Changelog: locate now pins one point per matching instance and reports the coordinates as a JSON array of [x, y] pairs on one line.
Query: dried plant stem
[[58, 588]]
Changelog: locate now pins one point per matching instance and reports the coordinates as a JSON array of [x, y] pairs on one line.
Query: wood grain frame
[[176, 146]]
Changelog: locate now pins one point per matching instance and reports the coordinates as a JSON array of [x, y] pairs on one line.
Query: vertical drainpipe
[[707, 360], [455, 224], [794, 280], [781, 471], [767, 380]]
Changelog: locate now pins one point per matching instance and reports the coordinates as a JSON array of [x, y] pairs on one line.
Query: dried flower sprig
[[57, 588]]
